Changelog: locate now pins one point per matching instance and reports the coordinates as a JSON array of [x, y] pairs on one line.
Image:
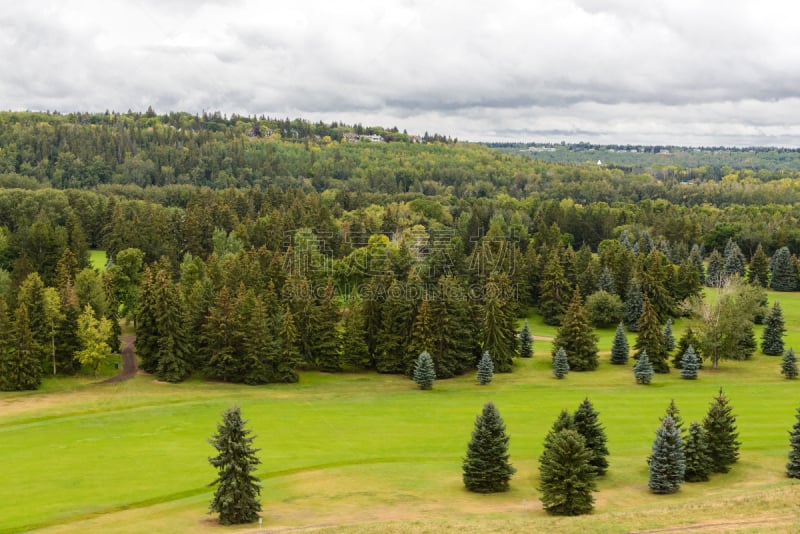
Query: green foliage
[[485, 372], [355, 352], [604, 309], [560, 363], [772, 336], [326, 342], [734, 262], [554, 290], [758, 271], [424, 372], [643, 370], [783, 272], [720, 427], [793, 466], [93, 334], [577, 338], [688, 339], [634, 305], [498, 332], [667, 462], [789, 365], [525, 341], [690, 364], [236, 495], [698, 461], [651, 339], [669, 338], [586, 422], [567, 477], [486, 467], [620, 351], [714, 272]]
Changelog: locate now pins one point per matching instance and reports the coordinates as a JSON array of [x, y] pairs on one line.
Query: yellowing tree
[[93, 334]]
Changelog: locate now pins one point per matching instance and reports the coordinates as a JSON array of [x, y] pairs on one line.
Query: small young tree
[[620, 350], [236, 497], [586, 422], [689, 338], [789, 365], [793, 467], [486, 467], [560, 363], [643, 370], [720, 427], [485, 369], [675, 414], [577, 338], [634, 305], [567, 475], [695, 447], [424, 373], [669, 338], [690, 363], [772, 337], [667, 462], [525, 342]]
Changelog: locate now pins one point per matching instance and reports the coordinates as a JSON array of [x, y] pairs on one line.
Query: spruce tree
[[789, 365], [643, 370], [651, 339], [606, 281], [688, 339], [497, 332], [695, 447], [667, 462], [453, 324], [577, 338], [669, 339], [783, 272], [326, 344], [734, 262], [772, 337], [486, 467], [720, 427], [634, 305], [554, 290], [793, 466], [560, 363], [690, 363], [525, 341], [397, 318], [715, 274], [758, 273], [620, 350], [236, 496], [355, 352], [485, 369], [424, 372], [586, 422], [567, 475], [675, 414]]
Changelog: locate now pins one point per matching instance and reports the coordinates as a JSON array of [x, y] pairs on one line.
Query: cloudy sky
[[698, 72]]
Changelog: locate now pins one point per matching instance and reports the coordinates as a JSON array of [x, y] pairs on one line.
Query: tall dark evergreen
[[783, 271], [696, 261], [720, 426], [634, 305], [567, 475], [772, 336], [454, 323], [667, 462], [525, 341], [498, 332], [789, 365], [424, 372], [485, 372], [560, 363], [554, 290], [643, 369], [698, 461], [758, 271], [486, 467], [397, 319], [355, 352], [326, 343], [620, 351], [793, 466], [586, 421], [236, 497], [22, 363], [651, 339], [577, 338]]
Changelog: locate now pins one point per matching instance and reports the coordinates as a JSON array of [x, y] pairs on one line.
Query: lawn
[[98, 259], [368, 452]]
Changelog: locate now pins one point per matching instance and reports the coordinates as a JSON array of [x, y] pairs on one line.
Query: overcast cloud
[[693, 72]]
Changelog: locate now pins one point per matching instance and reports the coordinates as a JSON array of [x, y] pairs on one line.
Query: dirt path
[[129, 365]]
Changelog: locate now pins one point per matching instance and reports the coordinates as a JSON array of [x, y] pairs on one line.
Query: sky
[[698, 72]]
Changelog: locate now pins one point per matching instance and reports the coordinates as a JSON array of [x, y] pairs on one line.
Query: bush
[[604, 309]]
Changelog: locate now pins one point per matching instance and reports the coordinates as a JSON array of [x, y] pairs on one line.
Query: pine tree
[[577, 338], [696, 261], [793, 467], [525, 341], [486, 467], [560, 363], [634, 305], [675, 414], [688, 339], [695, 447], [606, 281], [720, 426], [669, 339], [667, 462], [586, 422], [21, 365], [789, 365], [620, 350], [690, 363], [497, 332], [759, 268], [326, 344], [734, 262], [643, 370], [424, 372], [397, 319], [772, 337], [567, 475], [236, 496], [715, 274], [485, 369], [553, 291], [651, 339], [355, 352], [784, 274]]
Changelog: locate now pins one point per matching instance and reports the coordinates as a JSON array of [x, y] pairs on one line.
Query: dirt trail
[[129, 365]]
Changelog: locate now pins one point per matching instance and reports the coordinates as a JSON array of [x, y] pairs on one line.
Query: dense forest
[[247, 248]]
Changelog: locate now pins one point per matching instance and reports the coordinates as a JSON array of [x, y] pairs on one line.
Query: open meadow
[[369, 452]]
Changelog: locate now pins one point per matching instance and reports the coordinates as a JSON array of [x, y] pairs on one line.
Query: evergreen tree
[[67, 343], [675, 414], [634, 305], [715, 274], [326, 345], [654, 274], [577, 338], [424, 372], [734, 262], [620, 350], [423, 336], [525, 341], [688, 339], [454, 325], [355, 352], [669, 338], [486, 467], [690, 363], [567, 475], [696, 261], [560, 363], [290, 344], [498, 333], [784, 274], [789, 365], [21, 364], [643, 370], [793, 466], [758, 273], [553, 291], [720, 426], [485, 369], [562, 422], [221, 336], [606, 281], [586, 422], [236, 496], [667, 462], [772, 337], [695, 447], [651, 339]]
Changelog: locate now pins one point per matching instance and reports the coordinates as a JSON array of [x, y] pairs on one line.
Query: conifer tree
[[675, 414], [720, 427], [667, 462], [734, 262], [554, 290], [21, 363], [695, 447], [654, 274], [783, 271], [586, 422], [486, 467], [643, 370], [669, 338], [634, 305], [789, 365], [651, 339], [577, 338], [560, 363], [772, 337], [567, 475], [236, 497], [696, 261], [454, 324], [485, 372], [498, 333], [355, 352], [67, 343], [793, 466], [715, 274], [424, 372], [220, 336], [758, 271], [606, 281], [620, 350], [290, 344], [690, 363], [688, 339], [525, 341], [326, 345]]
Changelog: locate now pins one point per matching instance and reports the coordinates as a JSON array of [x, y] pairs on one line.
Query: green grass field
[[98, 259], [368, 452]]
